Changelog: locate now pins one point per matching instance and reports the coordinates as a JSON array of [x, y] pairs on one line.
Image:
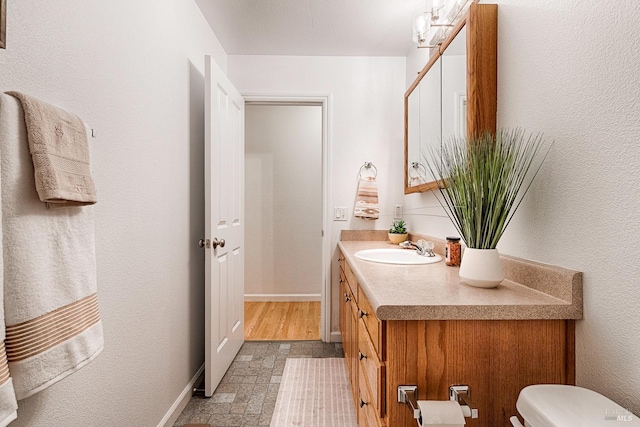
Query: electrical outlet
[[397, 212], [339, 214]]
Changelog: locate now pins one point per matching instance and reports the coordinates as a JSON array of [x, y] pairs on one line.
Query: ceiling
[[313, 27]]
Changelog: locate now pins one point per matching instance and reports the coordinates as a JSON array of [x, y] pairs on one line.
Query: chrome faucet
[[422, 247]]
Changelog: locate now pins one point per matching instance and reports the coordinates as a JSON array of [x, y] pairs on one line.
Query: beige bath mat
[[314, 393]]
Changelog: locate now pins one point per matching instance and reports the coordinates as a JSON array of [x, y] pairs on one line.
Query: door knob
[[202, 243], [217, 243]]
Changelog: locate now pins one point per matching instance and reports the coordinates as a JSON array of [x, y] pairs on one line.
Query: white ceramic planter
[[481, 268]]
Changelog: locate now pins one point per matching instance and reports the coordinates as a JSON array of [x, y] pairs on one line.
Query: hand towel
[[8, 403], [60, 153], [53, 326], [367, 199]]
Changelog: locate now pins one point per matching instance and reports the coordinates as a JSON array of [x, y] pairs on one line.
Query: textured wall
[[365, 122], [570, 69], [283, 199], [134, 72]]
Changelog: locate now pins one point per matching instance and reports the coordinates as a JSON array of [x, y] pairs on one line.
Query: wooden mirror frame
[[3, 24], [481, 22]]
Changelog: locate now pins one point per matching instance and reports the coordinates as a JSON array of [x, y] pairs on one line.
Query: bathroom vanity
[[419, 325]]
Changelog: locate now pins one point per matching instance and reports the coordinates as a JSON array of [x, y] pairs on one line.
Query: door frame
[[324, 100]]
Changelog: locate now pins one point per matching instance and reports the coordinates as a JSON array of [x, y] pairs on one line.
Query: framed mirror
[[454, 94]]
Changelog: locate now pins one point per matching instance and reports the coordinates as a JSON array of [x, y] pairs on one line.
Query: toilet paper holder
[[408, 394], [459, 393]]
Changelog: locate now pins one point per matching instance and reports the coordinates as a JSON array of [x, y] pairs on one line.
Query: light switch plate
[[397, 212], [339, 214]]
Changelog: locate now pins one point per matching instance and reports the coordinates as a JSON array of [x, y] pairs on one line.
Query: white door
[[224, 224]]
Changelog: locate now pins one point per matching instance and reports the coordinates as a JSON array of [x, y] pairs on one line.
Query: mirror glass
[[436, 110], [430, 121], [413, 136], [424, 124], [454, 88]]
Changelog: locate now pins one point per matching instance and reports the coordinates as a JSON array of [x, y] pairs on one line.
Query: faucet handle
[[429, 248], [425, 248]]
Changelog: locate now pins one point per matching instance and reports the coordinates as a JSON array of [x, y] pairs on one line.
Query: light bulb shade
[[421, 27], [436, 5]]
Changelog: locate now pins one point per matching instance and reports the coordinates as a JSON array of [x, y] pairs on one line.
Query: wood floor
[[282, 320]]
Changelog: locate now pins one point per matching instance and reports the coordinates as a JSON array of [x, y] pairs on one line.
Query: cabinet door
[[367, 416], [344, 307], [353, 351], [372, 369], [348, 325]]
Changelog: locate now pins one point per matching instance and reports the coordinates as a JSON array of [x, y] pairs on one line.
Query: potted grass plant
[[481, 183], [398, 232]]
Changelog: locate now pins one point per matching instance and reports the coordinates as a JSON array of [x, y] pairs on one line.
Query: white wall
[[366, 122], [134, 71], [283, 200], [570, 69]]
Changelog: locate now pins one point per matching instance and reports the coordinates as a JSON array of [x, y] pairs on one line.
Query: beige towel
[[367, 199], [60, 153], [8, 403], [53, 327]]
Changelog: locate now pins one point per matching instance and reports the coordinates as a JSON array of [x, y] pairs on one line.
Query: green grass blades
[[482, 181]]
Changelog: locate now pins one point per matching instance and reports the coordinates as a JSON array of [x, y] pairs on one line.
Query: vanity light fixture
[[423, 23]]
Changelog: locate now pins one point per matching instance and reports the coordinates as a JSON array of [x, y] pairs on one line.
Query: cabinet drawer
[[341, 261], [347, 297], [351, 279], [366, 412], [372, 368], [373, 324], [345, 290]]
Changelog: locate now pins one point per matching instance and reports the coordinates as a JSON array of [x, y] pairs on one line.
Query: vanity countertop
[[531, 290]]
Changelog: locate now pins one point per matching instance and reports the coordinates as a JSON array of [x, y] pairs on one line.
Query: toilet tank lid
[[554, 405]]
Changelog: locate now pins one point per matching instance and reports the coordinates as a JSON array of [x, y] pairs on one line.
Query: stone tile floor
[[248, 391]]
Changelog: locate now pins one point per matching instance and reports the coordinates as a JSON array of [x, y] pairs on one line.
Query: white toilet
[[553, 405]]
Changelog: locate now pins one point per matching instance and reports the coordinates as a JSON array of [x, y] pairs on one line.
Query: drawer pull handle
[[361, 314], [361, 356], [341, 280], [362, 403], [346, 298]]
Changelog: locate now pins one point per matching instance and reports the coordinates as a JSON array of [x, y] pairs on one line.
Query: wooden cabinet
[[495, 358], [349, 329], [362, 340]]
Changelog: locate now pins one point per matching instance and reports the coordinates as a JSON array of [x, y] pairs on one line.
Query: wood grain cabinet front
[[495, 358], [372, 368], [367, 413]]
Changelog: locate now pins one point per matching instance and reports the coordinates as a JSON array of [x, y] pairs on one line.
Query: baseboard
[[336, 336], [178, 406], [282, 297]]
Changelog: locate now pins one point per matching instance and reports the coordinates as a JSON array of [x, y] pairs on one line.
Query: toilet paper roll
[[440, 413]]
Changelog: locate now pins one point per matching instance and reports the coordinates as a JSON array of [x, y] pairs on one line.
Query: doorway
[[285, 189]]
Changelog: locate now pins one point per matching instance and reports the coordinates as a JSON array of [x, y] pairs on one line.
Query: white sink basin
[[396, 256]]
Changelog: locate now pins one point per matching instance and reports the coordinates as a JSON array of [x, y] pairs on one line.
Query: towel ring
[[367, 166], [417, 166], [417, 179]]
